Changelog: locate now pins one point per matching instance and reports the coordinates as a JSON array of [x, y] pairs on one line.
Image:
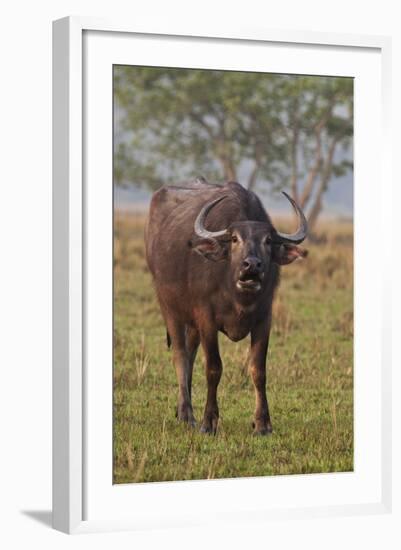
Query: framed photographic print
[[214, 291]]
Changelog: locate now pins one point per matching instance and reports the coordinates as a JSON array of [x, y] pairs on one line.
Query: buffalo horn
[[199, 226], [302, 230]]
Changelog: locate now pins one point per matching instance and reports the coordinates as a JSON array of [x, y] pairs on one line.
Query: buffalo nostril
[[251, 263]]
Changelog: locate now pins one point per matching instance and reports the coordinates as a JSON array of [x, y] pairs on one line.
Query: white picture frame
[[73, 473]]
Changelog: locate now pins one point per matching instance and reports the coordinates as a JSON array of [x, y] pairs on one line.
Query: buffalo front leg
[[183, 369], [259, 345], [214, 370]]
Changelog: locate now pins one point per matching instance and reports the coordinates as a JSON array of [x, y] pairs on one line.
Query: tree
[[319, 124], [266, 130]]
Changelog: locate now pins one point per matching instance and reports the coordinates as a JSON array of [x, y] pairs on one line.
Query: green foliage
[[310, 376], [171, 124]]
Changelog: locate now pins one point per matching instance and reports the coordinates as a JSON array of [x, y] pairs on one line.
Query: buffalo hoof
[[191, 422], [186, 416], [208, 430], [209, 426], [262, 430]]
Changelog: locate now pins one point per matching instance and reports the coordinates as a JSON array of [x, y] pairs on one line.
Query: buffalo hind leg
[[214, 370], [183, 371], [192, 340], [259, 346]]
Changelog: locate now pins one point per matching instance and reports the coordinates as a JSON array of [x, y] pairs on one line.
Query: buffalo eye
[[268, 241], [234, 239]]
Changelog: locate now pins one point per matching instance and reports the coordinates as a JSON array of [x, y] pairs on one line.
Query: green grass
[[310, 376]]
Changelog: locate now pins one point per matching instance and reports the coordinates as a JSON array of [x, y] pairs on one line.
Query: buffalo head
[[249, 246]]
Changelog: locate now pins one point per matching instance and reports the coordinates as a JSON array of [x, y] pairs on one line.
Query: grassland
[[310, 375]]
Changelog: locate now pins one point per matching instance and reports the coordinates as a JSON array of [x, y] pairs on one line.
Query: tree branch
[[324, 180], [313, 171]]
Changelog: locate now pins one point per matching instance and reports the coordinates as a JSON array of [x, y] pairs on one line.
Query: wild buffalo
[[215, 258]]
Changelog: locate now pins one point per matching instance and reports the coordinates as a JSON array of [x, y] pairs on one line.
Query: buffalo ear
[[210, 249], [284, 254]]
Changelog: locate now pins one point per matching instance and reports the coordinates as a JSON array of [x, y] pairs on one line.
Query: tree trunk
[[324, 181], [225, 158], [294, 165], [313, 172], [253, 178], [314, 213], [229, 170]]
